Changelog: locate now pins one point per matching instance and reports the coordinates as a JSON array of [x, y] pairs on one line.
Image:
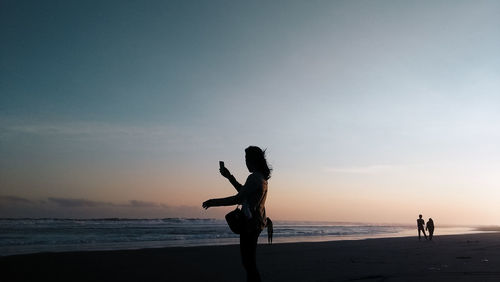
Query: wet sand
[[472, 257]]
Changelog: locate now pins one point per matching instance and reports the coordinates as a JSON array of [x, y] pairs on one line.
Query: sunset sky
[[371, 111]]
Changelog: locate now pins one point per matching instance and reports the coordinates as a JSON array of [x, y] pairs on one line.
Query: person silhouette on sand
[[430, 227], [252, 197], [269, 231], [420, 226]]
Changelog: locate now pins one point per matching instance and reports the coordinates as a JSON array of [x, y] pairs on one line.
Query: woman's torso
[[255, 195]]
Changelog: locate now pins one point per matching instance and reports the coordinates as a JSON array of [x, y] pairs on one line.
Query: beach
[[470, 257]]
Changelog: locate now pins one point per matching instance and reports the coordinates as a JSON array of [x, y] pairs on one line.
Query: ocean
[[21, 236]]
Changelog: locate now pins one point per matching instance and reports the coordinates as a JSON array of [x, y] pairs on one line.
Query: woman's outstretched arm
[[235, 183], [228, 201], [225, 172]]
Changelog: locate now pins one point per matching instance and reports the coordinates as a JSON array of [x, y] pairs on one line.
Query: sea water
[[20, 236]]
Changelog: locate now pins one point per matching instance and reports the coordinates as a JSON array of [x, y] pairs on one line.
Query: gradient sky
[[371, 111]]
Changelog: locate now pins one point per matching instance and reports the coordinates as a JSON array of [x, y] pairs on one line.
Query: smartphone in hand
[[223, 170]]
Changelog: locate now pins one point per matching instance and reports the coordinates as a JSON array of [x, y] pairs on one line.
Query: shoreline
[[466, 257], [234, 240]]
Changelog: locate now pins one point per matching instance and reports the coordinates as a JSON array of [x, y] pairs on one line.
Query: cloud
[[76, 203], [144, 204], [71, 203], [15, 200], [59, 207]]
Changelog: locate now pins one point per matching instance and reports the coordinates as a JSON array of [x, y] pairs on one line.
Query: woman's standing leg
[[248, 248]]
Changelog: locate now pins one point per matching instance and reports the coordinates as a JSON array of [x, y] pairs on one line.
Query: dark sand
[[473, 257]]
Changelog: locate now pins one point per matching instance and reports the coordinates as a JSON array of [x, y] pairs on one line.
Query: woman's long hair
[[258, 158]]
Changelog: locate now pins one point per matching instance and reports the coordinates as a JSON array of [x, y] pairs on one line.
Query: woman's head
[[256, 161]]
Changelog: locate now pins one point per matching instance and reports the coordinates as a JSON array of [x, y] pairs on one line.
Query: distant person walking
[[420, 226], [269, 231], [252, 197], [430, 227]]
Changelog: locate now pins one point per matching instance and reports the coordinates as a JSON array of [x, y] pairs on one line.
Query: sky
[[370, 111]]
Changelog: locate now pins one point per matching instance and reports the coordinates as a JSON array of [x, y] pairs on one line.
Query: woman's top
[[430, 225], [253, 198]]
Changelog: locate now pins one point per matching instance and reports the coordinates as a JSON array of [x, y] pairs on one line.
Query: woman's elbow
[[238, 200]]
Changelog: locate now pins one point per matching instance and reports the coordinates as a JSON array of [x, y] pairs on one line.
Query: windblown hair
[[258, 158]]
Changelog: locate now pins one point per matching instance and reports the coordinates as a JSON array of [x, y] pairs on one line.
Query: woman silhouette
[[252, 197]]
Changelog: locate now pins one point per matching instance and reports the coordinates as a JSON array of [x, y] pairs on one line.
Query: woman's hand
[[207, 204], [225, 172]]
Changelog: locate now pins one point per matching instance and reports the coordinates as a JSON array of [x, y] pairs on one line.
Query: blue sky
[[364, 102]]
